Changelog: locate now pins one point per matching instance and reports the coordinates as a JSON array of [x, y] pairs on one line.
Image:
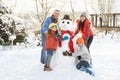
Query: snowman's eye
[[63, 22], [68, 22]]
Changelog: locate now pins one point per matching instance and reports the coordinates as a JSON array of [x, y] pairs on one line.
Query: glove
[[58, 35], [47, 34], [65, 38]]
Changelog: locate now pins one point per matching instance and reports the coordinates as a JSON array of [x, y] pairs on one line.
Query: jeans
[[89, 42], [85, 66], [82, 63], [43, 51], [48, 58]]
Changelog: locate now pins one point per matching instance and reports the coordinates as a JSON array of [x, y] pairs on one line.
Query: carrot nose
[[64, 25]]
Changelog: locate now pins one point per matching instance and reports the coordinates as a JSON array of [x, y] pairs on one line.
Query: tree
[[73, 12], [12, 7], [36, 1], [104, 7], [43, 8]]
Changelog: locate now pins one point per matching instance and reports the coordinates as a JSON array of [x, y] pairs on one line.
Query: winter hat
[[66, 17], [80, 40], [52, 25], [83, 14]]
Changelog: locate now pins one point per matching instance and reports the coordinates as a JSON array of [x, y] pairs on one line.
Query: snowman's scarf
[[70, 42]]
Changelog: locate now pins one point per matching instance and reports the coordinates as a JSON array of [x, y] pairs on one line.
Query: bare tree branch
[[72, 10], [38, 12], [92, 6], [86, 5]]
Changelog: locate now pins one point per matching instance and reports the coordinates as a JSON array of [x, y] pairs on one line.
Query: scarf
[[70, 42]]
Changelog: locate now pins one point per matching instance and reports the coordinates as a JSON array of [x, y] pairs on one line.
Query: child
[[51, 44], [84, 55]]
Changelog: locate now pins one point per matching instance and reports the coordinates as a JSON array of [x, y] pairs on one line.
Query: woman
[[83, 26]]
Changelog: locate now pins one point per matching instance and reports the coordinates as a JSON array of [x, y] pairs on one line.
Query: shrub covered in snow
[[12, 25], [3, 9]]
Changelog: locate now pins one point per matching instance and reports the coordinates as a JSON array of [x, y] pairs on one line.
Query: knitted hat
[[80, 40], [83, 14], [52, 25]]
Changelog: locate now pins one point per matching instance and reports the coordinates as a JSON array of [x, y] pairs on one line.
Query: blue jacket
[[46, 23]]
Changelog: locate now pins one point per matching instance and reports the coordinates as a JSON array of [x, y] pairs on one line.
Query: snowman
[[66, 44], [66, 29]]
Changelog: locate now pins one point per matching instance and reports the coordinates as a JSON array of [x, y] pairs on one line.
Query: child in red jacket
[[51, 44]]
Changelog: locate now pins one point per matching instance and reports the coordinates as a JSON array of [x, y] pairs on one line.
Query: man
[[51, 19]]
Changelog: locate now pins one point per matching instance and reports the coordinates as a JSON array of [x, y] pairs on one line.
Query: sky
[[25, 6]]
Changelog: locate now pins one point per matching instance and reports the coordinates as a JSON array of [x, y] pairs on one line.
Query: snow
[[21, 63]]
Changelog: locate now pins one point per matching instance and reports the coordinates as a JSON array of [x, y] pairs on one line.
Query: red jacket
[[87, 31], [51, 41]]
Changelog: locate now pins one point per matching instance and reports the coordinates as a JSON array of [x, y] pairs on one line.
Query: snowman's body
[[66, 27]]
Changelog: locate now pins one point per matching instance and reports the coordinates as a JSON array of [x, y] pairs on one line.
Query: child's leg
[[82, 63], [87, 70], [48, 59], [84, 66], [78, 66]]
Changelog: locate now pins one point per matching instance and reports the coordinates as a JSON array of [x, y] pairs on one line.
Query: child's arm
[[47, 34]]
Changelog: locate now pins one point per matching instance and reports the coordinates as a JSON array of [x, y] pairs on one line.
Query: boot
[[47, 68]]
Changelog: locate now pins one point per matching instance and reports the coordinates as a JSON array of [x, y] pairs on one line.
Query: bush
[[1, 42], [19, 38]]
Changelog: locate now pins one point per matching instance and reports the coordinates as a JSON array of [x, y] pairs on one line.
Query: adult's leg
[[89, 42], [43, 51], [88, 46]]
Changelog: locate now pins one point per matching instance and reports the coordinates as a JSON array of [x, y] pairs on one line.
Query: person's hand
[[65, 38], [58, 35]]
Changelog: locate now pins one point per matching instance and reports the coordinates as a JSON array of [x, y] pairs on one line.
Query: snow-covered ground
[[21, 63]]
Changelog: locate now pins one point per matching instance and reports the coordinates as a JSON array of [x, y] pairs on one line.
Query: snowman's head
[[66, 24]]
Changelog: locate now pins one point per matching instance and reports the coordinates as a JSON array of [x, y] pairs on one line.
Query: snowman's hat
[[66, 17]]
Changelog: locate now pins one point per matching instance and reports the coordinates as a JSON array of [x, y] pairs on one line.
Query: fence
[[106, 20]]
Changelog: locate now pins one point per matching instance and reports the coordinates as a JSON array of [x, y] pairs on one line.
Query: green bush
[[1, 42], [19, 38]]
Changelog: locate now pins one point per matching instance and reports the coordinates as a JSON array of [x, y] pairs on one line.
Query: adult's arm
[[46, 24], [86, 32]]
